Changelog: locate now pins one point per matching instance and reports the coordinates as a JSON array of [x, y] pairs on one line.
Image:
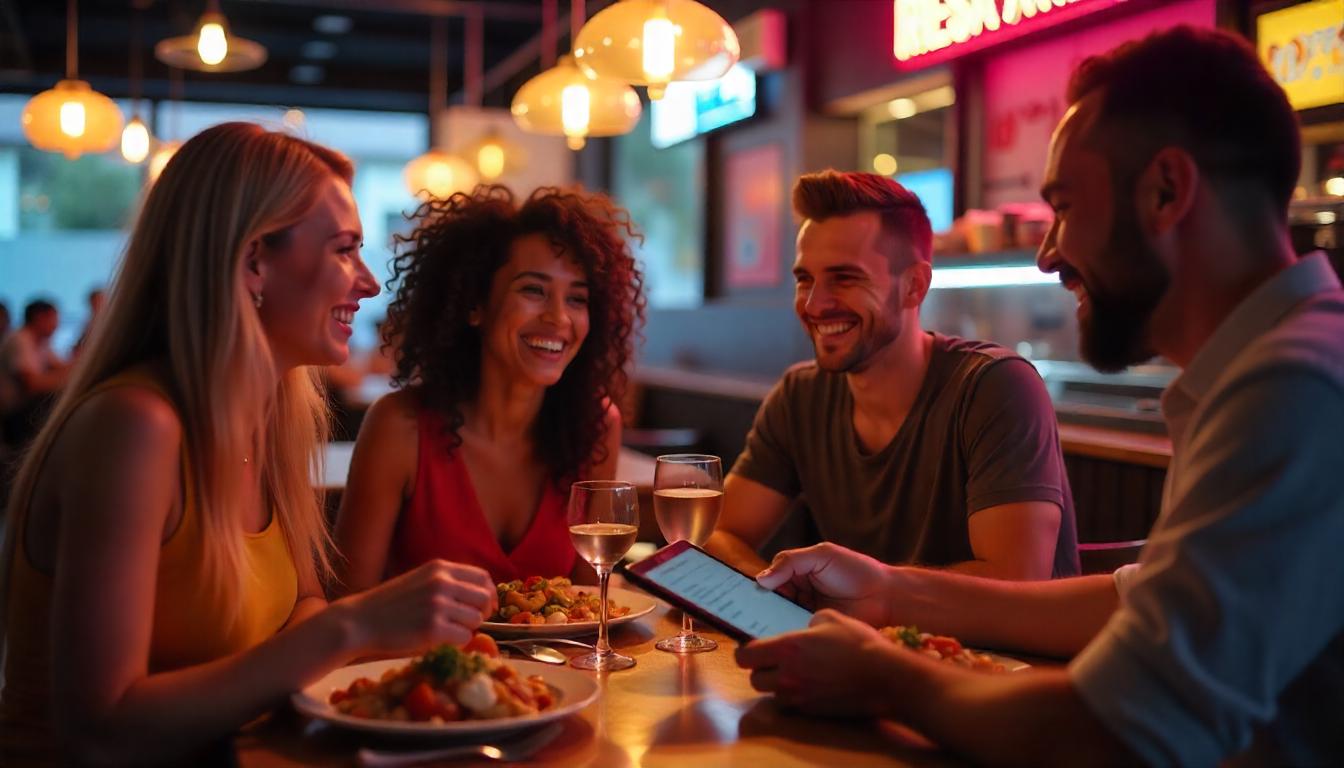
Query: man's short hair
[[819, 196], [36, 309], [1199, 89]]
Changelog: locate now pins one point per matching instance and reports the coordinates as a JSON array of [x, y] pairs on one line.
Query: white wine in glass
[[603, 519], [602, 544], [687, 497]]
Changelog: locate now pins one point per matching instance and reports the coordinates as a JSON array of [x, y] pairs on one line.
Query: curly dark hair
[[444, 269]]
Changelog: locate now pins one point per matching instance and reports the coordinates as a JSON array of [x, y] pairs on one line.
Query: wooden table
[[697, 710]]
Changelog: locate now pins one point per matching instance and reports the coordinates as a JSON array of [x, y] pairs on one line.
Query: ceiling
[[380, 61]]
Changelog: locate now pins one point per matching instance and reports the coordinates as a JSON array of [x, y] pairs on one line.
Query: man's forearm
[[1047, 618], [1029, 718], [733, 550], [989, 569]]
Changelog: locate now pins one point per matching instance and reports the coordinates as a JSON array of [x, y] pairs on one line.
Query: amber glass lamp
[[656, 42]]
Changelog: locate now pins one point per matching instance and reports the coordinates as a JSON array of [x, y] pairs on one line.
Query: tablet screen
[[722, 591]]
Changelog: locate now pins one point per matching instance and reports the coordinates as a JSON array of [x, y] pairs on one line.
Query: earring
[[256, 300]]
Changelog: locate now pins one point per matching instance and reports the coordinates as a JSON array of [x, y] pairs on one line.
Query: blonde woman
[[163, 561]]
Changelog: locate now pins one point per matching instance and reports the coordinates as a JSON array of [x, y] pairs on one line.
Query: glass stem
[[686, 629], [603, 647]]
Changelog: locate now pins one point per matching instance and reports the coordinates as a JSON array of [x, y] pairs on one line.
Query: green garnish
[[448, 662], [910, 636]]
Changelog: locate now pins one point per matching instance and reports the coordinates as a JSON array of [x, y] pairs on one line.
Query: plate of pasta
[[950, 650], [554, 607], [447, 691]]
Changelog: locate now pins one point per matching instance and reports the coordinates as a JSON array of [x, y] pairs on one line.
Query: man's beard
[[885, 330], [1116, 334]]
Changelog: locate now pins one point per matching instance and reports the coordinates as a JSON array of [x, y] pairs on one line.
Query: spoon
[[538, 652]]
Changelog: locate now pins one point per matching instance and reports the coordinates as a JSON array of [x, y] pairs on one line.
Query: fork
[[507, 753], [546, 641]]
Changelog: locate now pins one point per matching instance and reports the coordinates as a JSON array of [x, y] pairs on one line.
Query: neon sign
[[926, 31]]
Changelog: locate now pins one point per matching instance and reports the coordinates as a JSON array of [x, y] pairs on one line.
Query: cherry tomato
[[945, 646], [483, 644], [420, 702]]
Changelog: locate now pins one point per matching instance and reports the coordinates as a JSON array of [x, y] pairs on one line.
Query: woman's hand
[[436, 603], [830, 668], [829, 576]]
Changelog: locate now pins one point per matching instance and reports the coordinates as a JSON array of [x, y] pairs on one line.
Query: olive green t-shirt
[[981, 433]]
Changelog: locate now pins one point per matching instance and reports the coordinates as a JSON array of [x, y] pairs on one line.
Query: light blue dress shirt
[[1229, 639]]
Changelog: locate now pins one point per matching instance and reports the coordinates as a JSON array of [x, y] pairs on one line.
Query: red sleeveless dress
[[443, 519]]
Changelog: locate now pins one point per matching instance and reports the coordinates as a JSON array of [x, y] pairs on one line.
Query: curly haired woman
[[515, 323]]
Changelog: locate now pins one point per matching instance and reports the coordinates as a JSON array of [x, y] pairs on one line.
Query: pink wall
[[1024, 94]]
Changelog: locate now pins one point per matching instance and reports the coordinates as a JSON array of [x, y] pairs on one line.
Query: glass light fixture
[[438, 173], [563, 101], [135, 140], [210, 47], [71, 117], [135, 137], [494, 155], [655, 42]]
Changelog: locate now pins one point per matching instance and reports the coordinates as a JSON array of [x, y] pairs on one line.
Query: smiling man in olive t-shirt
[[909, 446]]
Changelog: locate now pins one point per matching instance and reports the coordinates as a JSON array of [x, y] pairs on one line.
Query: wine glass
[[603, 520], [687, 496]]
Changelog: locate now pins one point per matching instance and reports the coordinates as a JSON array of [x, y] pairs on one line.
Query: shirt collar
[[1256, 314]]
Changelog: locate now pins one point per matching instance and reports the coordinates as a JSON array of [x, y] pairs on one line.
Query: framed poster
[[754, 193]]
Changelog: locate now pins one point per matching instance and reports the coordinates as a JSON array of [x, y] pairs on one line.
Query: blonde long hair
[[179, 297]]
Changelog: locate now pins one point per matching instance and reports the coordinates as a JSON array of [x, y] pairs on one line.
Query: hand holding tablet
[[713, 591]]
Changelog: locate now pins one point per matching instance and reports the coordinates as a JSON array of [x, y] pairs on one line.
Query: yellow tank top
[[189, 626]]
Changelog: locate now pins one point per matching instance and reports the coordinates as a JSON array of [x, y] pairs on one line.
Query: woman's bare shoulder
[[395, 410], [130, 413]]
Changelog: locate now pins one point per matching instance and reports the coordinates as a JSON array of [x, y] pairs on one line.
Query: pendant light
[[563, 101], [438, 173], [495, 156], [655, 42], [492, 154], [210, 47], [135, 137], [71, 118]]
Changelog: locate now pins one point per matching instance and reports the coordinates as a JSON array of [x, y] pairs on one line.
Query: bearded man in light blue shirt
[[1170, 177]]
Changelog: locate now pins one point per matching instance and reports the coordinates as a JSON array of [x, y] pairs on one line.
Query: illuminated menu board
[[1303, 48]]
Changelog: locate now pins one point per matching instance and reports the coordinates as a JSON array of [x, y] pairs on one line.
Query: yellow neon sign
[[1303, 48]]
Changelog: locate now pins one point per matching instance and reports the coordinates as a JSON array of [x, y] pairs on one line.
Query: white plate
[[574, 691], [1009, 663], [639, 603]]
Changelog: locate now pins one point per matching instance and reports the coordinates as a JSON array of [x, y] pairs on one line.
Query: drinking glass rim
[[603, 485], [688, 458]]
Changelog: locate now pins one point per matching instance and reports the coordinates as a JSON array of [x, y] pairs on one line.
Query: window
[[664, 190], [64, 224]]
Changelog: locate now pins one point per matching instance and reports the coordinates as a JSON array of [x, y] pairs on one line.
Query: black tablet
[[713, 591]]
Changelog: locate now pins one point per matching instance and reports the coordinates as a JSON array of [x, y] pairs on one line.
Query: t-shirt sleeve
[[1011, 439], [23, 356], [1237, 592], [768, 457]]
